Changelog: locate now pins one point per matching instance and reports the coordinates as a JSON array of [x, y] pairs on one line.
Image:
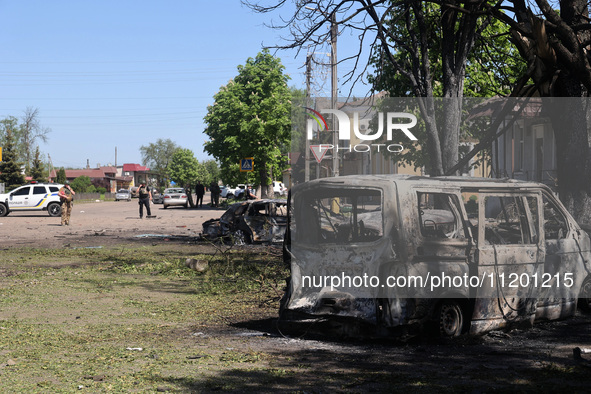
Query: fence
[[93, 196]]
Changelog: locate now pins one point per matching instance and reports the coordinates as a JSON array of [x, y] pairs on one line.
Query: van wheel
[[585, 295], [241, 238], [3, 210], [451, 319], [54, 209]]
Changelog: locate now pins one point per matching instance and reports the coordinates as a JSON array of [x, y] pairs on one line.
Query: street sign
[[246, 164]]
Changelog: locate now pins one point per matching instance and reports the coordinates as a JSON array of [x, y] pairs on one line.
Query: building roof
[[101, 172], [132, 167]]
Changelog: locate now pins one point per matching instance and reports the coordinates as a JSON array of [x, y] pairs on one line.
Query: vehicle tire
[[186, 205], [166, 206], [450, 318], [241, 238], [585, 296], [3, 210], [54, 209]]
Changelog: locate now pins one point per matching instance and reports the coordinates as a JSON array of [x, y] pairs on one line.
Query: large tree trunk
[[265, 175], [569, 115]]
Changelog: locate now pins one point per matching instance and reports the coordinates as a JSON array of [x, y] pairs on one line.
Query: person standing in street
[[215, 191], [66, 195], [144, 197], [199, 191]]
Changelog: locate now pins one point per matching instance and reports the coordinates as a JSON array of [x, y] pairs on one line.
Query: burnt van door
[[510, 256], [563, 267]]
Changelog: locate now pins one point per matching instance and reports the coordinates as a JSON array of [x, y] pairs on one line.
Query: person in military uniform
[[215, 191], [66, 195], [144, 197], [199, 191]]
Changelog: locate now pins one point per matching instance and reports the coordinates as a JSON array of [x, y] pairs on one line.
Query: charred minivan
[[393, 254]]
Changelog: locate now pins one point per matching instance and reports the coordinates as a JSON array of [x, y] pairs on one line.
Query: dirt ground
[[500, 361], [103, 224]]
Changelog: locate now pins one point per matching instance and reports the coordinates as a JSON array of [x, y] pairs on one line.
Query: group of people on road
[[214, 190], [144, 195]]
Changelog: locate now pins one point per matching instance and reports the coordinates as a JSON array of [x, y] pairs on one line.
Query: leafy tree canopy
[[82, 184], [185, 169], [10, 168], [251, 118], [60, 176], [158, 156], [38, 170]]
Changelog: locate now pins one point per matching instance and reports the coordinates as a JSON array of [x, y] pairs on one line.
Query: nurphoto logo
[[394, 121]]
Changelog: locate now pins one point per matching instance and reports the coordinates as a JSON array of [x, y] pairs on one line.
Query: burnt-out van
[[382, 255]]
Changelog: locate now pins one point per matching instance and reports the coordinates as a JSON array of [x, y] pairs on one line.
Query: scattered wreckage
[[252, 221], [399, 255]]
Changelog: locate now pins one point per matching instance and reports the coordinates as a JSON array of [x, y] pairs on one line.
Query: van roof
[[442, 181]]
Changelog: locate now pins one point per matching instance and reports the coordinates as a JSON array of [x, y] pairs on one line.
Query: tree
[[458, 23], [31, 131], [251, 118], [82, 184], [554, 43], [60, 176], [157, 156], [10, 169], [185, 170], [213, 172], [493, 67], [37, 171]]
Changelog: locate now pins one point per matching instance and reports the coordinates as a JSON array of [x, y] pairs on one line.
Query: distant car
[[224, 191], [157, 198], [239, 193], [279, 189], [249, 222], [175, 196], [123, 194], [228, 192]]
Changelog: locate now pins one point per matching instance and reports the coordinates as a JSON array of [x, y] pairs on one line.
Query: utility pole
[[307, 145], [334, 93], [50, 167]]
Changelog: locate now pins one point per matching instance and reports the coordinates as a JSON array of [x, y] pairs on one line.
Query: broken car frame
[[376, 255]]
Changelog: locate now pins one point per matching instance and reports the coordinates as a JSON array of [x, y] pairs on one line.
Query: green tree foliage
[[158, 156], [213, 172], [10, 168], [82, 184], [251, 118], [60, 176], [488, 65], [185, 170], [38, 170]]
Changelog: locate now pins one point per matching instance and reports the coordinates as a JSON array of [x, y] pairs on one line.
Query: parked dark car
[[249, 222], [157, 197]]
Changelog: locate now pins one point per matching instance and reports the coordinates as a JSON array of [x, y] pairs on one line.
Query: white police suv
[[32, 197]]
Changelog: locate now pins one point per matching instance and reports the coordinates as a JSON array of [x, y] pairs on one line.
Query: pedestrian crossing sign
[[246, 164]]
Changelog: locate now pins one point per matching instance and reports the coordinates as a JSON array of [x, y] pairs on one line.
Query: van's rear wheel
[[451, 319], [585, 295]]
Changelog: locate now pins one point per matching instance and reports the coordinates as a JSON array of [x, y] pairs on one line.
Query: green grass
[[68, 316]]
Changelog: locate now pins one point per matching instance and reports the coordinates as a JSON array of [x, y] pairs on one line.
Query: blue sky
[[121, 74]]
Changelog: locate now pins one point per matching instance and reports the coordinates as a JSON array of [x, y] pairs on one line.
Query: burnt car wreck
[[253, 221], [394, 254]]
